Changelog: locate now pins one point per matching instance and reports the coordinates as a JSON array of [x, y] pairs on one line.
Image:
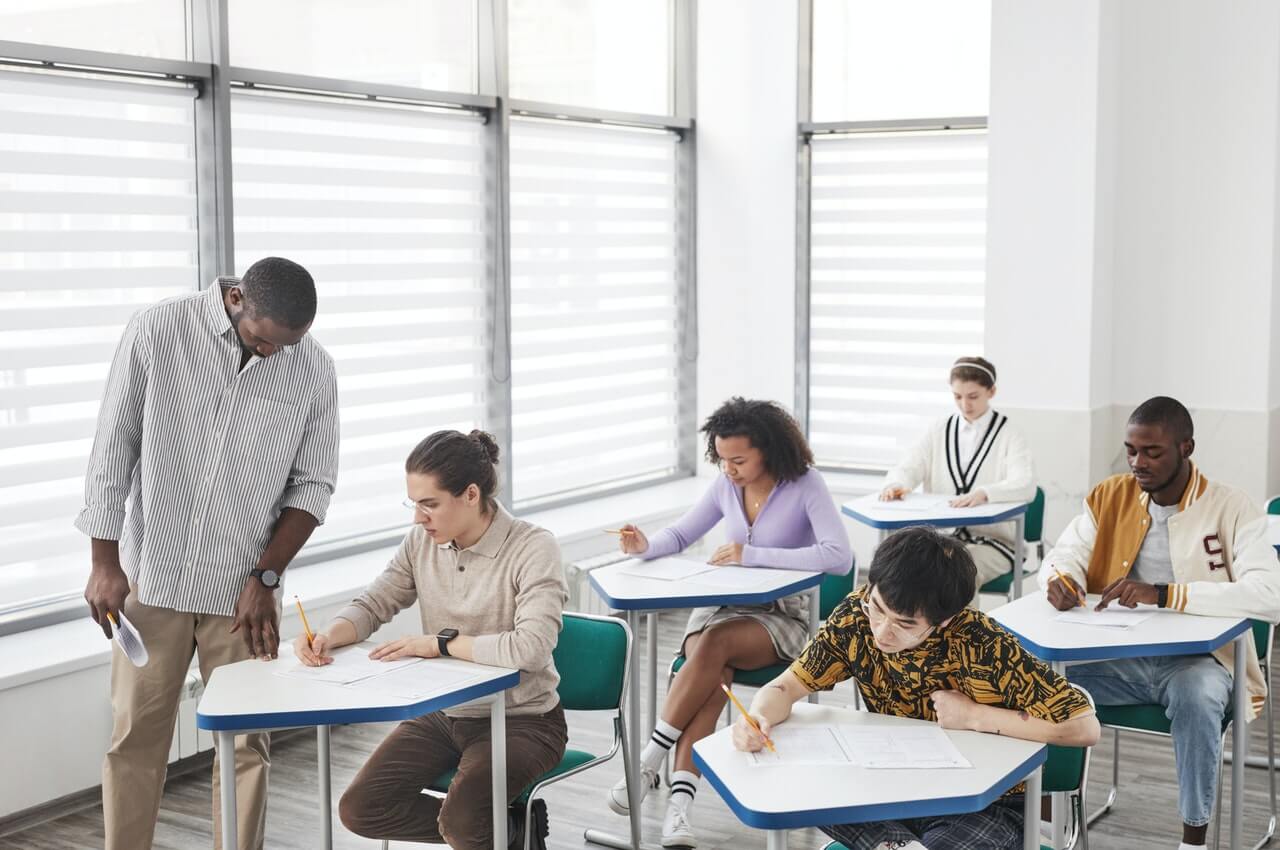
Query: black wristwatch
[[1162, 595], [444, 637], [270, 578]]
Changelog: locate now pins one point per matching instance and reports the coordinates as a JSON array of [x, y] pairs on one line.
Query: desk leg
[[326, 787], [631, 749], [815, 604], [1019, 554], [1058, 800], [498, 741], [776, 839], [651, 637], [1239, 737], [1031, 813], [227, 777]]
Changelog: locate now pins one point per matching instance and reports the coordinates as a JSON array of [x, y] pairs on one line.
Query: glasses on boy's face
[[417, 507], [876, 616]]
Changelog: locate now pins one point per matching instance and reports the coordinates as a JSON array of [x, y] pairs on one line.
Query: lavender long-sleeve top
[[797, 528]]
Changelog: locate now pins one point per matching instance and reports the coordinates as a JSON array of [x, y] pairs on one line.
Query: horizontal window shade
[[97, 220], [897, 273], [594, 327], [385, 207]]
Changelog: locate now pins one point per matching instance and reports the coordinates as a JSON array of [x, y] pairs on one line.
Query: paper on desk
[[908, 748], [666, 569], [350, 664], [803, 745], [419, 680], [735, 578], [1114, 616], [914, 502]]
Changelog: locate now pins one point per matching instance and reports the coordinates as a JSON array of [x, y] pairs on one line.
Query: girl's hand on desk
[[954, 709], [729, 553], [969, 500], [422, 646], [315, 653], [747, 739], [892, 494], [632, 540]]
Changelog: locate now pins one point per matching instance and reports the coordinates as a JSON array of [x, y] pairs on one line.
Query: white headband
[[967, 365]]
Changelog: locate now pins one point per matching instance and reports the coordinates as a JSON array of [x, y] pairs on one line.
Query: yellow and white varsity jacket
[[1223, 563]]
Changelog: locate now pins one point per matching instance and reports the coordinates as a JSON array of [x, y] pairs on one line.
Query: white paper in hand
[[130, 641]]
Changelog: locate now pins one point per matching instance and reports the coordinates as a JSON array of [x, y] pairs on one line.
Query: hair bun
[[486, 441]]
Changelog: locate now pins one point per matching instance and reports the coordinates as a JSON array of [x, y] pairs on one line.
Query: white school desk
[[781, 797], [1031, 619], [872, 512], [248, 696], [635, 595]]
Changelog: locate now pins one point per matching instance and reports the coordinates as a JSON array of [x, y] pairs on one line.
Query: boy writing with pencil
[[917, 651]]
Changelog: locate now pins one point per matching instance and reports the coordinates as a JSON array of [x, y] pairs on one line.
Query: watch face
[[270, 578]]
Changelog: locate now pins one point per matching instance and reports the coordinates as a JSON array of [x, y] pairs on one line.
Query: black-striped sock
[[684, 785], [664, 737]]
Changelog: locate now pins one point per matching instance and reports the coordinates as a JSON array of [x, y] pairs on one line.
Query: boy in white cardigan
[[978, 456]]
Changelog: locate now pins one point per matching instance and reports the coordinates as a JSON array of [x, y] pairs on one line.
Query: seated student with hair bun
[[977, 455], [490, 589]]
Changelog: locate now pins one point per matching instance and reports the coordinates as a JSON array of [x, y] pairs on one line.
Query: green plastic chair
[[1066, 770], [1151, 720], [592, 657], [1032, 535], [1273, 505]]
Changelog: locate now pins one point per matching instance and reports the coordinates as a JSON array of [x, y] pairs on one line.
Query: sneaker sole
[[617, 808], [679, 843]]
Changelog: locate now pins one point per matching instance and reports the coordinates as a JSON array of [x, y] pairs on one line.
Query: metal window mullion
[[214, 216], [76, 59], [684, 42], [494, 82], [804, 110], [905, 125]]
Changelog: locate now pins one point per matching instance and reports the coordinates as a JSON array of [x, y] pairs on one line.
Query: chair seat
[[1147, 718], [572, 759], [999, 584], [757, 678]]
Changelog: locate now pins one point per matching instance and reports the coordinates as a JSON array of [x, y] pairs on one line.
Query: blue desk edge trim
[[328, 717], [1071, 653], [949, 522], [875, 812], [654, 603]]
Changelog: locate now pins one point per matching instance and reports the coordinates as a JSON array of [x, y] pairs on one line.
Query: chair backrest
[[591, 658], [834, 589], [1033, 522], [1262, 639], [1066, 767], [1273, 505]]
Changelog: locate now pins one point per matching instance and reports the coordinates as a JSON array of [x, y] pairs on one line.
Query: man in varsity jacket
[[1165, 535]]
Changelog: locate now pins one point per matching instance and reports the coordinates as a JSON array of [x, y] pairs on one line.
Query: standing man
[[215, 458]]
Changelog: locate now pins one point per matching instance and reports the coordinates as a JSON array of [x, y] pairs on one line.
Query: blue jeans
[[1195, 691]]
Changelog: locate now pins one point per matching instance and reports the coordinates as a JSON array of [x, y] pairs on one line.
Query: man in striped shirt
[[215, 458]]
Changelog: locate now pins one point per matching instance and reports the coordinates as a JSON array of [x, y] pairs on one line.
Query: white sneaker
[[676, 830], [618, 793]]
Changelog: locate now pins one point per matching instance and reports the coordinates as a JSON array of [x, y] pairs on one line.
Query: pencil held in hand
[[306, 627], [623, 531], [1069, 585], [743, 709]]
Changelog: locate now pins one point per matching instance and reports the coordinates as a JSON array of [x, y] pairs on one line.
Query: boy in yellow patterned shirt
[[917, 651]]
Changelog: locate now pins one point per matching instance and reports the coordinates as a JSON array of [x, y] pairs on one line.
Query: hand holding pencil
[[1064, 594], [308, 646], [630, 539], [748, 733]]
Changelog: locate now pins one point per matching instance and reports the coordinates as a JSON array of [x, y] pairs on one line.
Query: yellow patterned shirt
[[971, 654]]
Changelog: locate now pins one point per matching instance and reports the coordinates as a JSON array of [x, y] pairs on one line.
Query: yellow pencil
[[618, 531], [747, 715], [305, 626], [1067, 583]]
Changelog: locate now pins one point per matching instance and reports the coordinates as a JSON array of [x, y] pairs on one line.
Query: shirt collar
[[220, 323], [979, 424], [490, 543]]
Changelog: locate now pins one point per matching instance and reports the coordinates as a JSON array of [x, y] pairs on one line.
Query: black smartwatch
[[270, 578], [1162, 595], [443, 639]]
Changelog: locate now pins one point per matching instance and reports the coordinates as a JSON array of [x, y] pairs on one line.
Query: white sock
[[684, 784], [664, 737]]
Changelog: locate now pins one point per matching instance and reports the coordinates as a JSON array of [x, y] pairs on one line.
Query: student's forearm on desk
[[773, 702], [1076, 732], [341, 633]]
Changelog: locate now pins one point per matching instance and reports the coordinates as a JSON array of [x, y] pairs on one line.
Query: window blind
[[384, 205], [97, 219], [897, 271], [593, 304]]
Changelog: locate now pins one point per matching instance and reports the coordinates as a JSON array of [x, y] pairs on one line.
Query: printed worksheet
[[735, 578], [1114, 616], [419, 681], [803, 745], [666, 569], [915, 502], [907, 748], [350, 664]]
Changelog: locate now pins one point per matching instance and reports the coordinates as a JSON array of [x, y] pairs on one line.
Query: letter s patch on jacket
[[1213, 548]]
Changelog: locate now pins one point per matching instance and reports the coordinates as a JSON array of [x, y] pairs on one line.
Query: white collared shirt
[[971, 434]]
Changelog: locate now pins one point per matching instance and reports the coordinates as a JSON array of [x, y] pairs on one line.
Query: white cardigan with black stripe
[[1001, 467]]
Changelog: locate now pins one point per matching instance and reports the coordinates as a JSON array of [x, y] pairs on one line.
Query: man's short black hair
[[1169, 414], [280, 290], [920, 572]]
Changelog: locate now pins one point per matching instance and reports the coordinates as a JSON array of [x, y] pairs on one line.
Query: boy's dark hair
[[1168, 413], [457, 461], [920, 572], [769, 428], [280, 290]]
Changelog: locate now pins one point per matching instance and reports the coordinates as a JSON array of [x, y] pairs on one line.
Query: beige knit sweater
[[507, 591]]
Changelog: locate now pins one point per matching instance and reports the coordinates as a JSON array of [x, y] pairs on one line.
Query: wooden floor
[[1146, 815]]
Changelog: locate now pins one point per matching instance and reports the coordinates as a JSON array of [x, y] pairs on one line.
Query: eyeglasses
[[877, 616], [417, 507]]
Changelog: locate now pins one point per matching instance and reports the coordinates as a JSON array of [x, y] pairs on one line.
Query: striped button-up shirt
[[194, 457]]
